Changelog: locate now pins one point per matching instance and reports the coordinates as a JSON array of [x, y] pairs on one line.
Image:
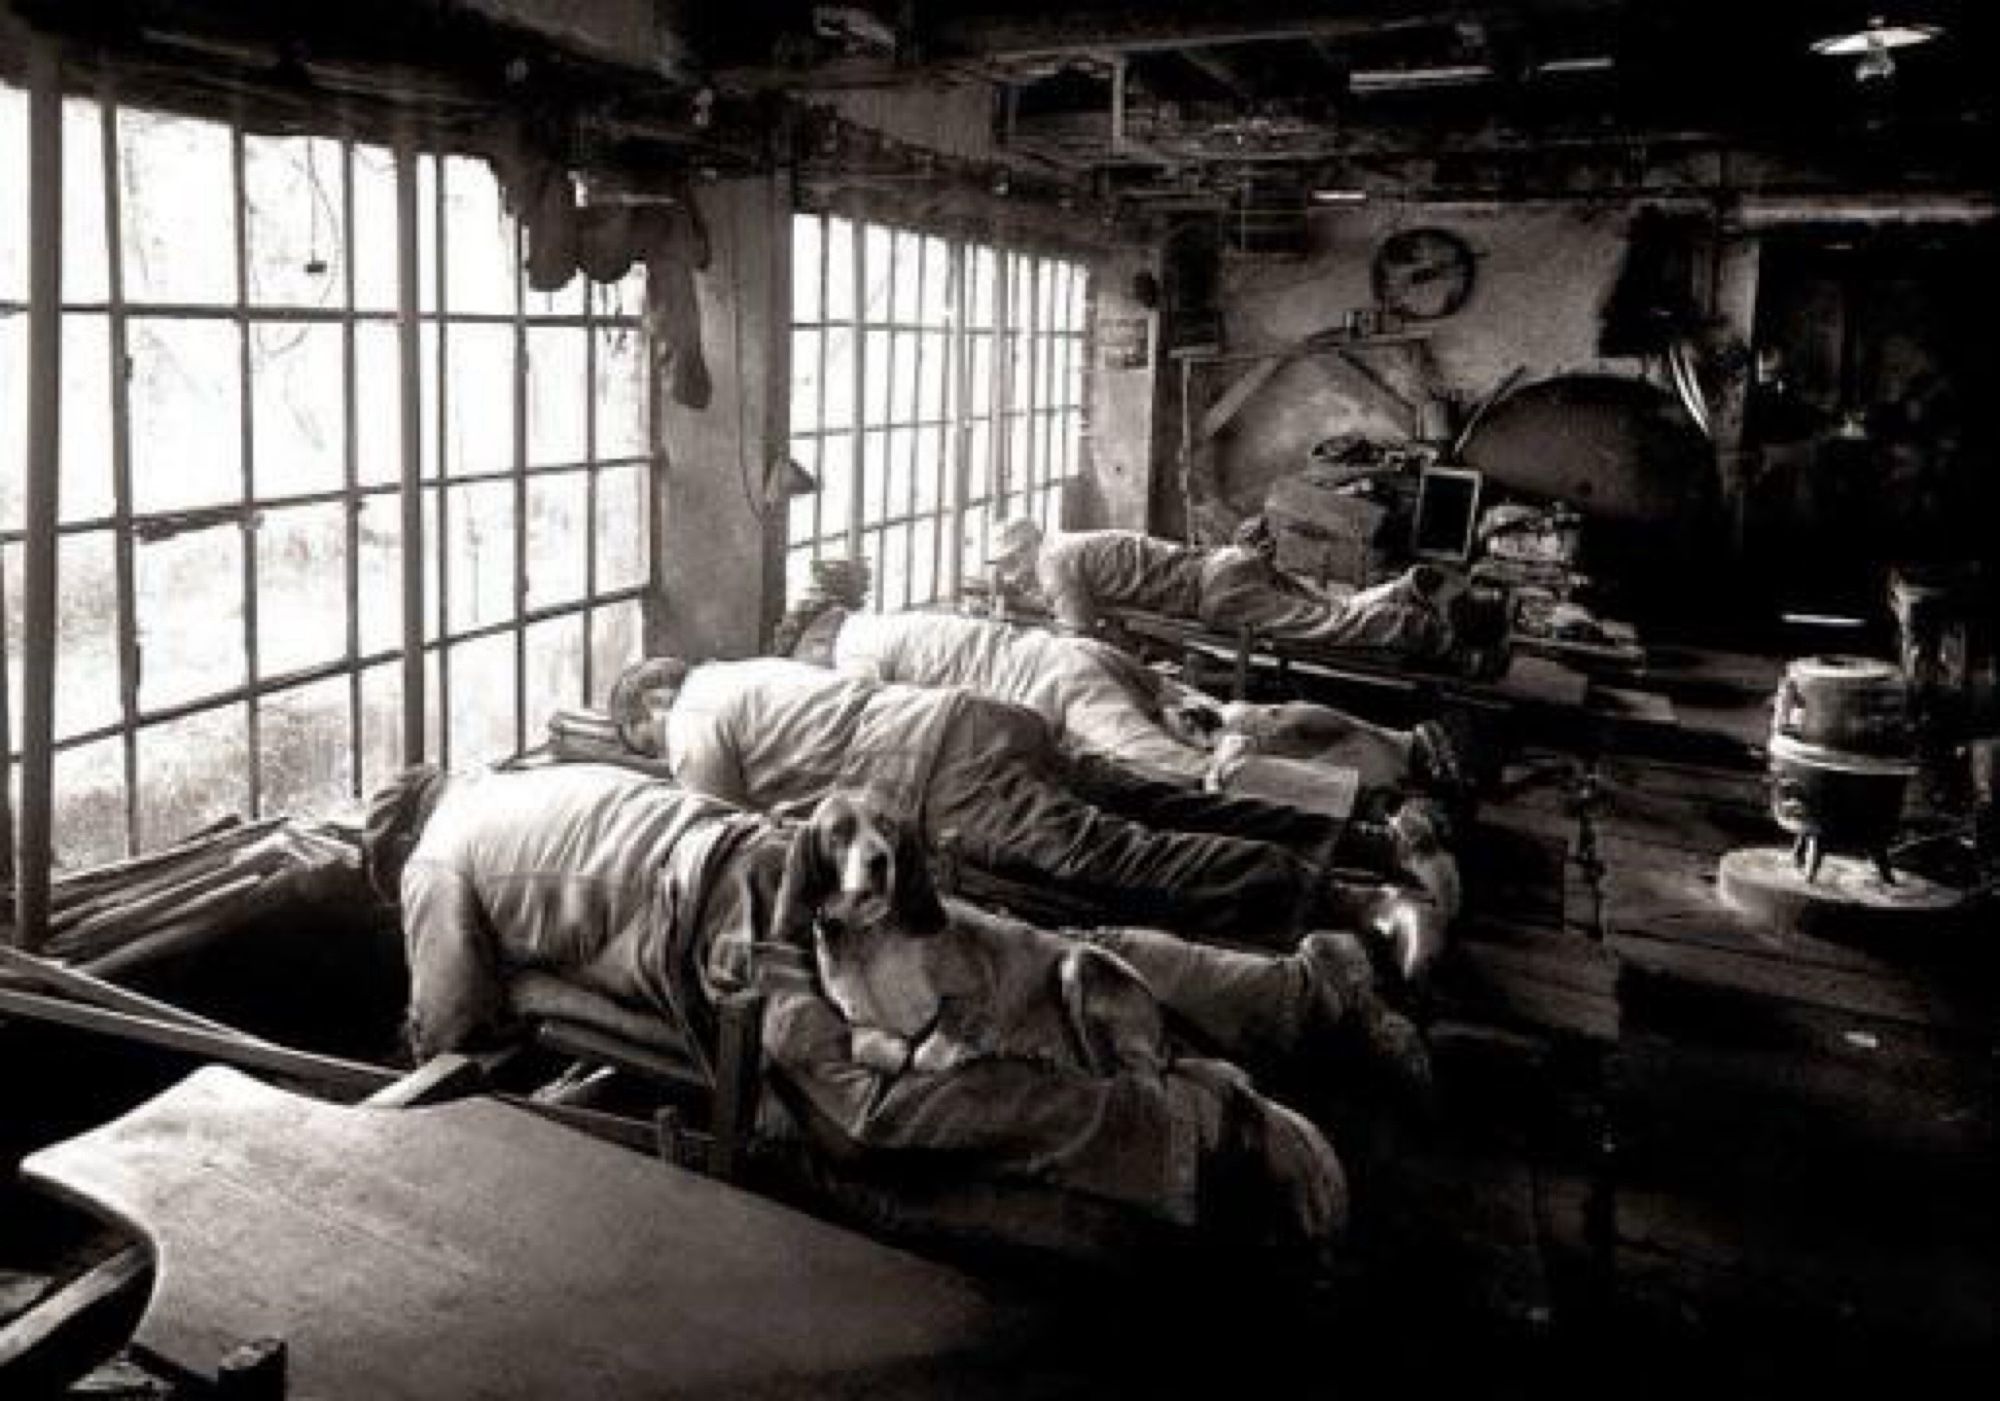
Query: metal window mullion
[[442, 262], [857, 477], [958, 362], [129, 659], [886, 430], [246, 430], [520, 503], [409, 357], [819, 421], [1033, 472], [999, 477], [350, 420], [910, 494], [591, 470], [38, 564], [1052, 394]]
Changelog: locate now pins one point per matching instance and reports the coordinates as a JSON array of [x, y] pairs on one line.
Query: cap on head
[[641, 695], [1017, 539], [394, 821]]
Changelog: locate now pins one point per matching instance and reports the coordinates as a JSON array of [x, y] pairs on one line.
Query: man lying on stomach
[[516, 887], [776, 736]]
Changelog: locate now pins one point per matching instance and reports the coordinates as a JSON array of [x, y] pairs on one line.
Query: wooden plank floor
[[1806, 1126]]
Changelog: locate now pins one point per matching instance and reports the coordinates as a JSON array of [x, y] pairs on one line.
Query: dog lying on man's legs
[[927, 985]]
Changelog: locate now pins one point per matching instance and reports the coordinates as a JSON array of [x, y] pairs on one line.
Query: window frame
[[255, 692], [1024, 424]]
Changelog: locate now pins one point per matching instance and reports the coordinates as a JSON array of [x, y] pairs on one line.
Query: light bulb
[[1875, 63]]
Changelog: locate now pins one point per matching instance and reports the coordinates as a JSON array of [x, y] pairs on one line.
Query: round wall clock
[[1422, 273]]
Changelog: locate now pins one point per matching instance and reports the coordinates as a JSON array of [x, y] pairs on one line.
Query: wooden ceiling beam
[[1136, 30]]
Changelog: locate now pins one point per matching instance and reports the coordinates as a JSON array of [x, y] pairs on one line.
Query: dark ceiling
[[1152, 99], [1152, 107]]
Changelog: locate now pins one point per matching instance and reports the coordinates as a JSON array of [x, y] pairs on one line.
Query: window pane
[[479, 240], [186, 424], [893, 569], [427, 233], [429, 389], [378, 404], [298, 437], [923, 566], [302, 587], [192, 772], [86, 417], [615, 643], [623, 528], [874, 476], [13, 411], [878, 266], [482, 700], [381, 725], [621, 392], [558, 525], [307, 764], [837, 408], [479, 398], [902, 443], [555, 670], [930, 469], [87, 693], [381, 574], [13, 212], [805, 381], [979, 307], [83, 273], [292, 197], [89, 817], [190, 596], [805, 267], [434, 564], [937, 282], [931, 376], [375, 228], [479, 553], [905, 275], [177, 197], [839, 270], [878, 371], [557, 385], [836, 483]]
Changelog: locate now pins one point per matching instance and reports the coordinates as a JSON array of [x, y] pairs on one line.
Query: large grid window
[[936, 391], [230, 631]]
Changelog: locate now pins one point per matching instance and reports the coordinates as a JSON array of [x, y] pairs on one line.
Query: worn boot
[[1348, 1004]]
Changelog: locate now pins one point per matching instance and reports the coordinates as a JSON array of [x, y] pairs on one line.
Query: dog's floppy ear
[[919, 911], [807, 881]]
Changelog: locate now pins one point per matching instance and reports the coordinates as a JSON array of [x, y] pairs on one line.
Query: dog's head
[[856, 865]]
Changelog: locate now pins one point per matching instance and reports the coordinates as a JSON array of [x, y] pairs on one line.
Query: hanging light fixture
[[1872, 46]]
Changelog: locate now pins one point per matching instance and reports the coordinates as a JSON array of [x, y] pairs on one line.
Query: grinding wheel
[[1848, 898]]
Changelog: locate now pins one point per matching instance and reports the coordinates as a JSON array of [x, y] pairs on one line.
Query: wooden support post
[[38, 568], [739, 1075], [409, 357]]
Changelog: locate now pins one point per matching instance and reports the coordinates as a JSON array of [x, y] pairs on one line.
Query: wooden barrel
[[1858, 705]]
